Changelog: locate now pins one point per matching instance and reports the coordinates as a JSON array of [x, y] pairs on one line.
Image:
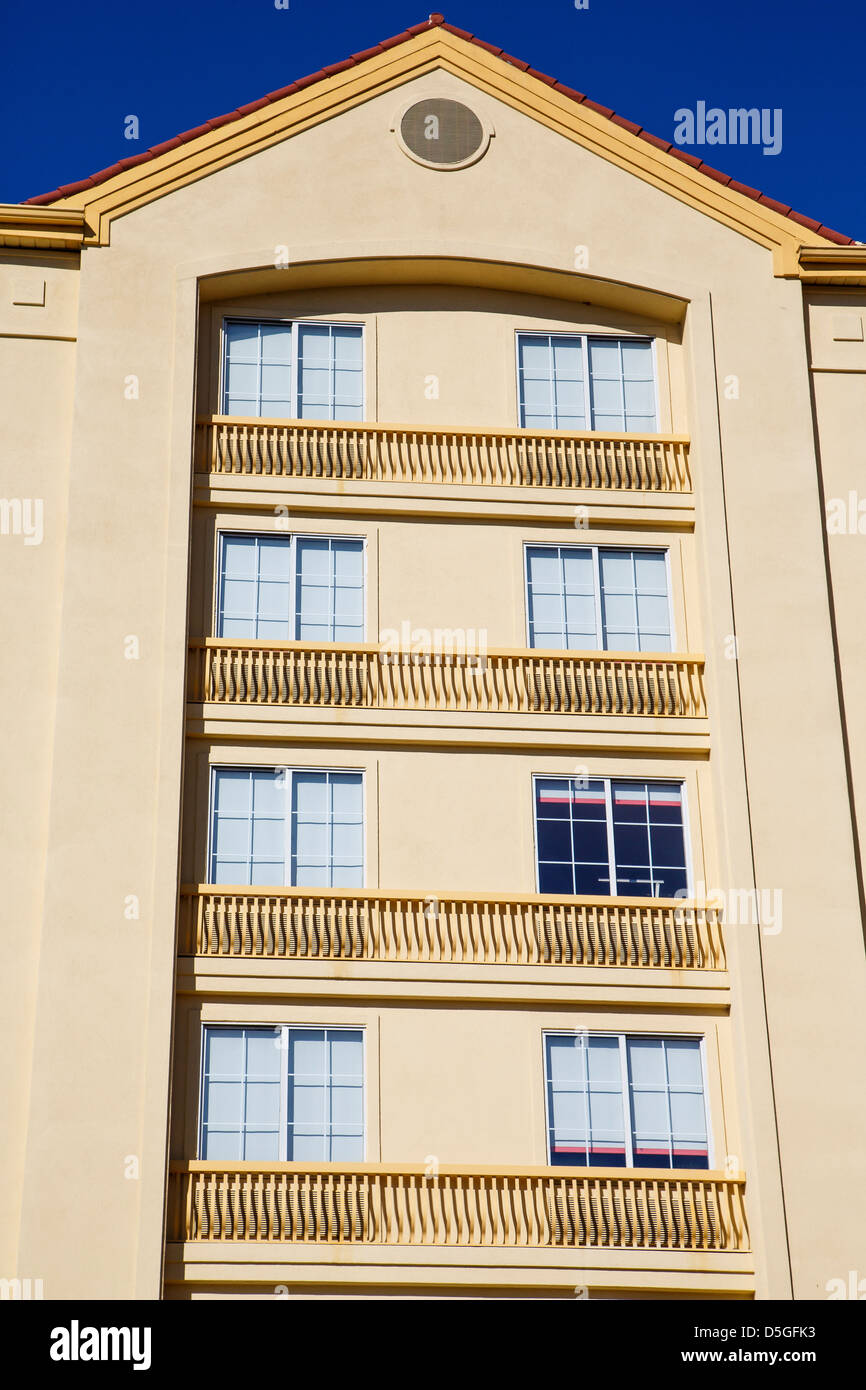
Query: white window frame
[[584, 338], [283, 1029], [596, 549], [623, 1039], [609, 778], [289, 772], [292, 537], [293, 325]]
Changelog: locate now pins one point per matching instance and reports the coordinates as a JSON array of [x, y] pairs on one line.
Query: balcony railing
[[364, 924], [378, 1204], [366, 676], [382, 453]]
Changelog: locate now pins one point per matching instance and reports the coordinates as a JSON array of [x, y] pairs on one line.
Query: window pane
[[635, 604], [241, 1093], [257, 368], [327, 830], [248, 826], [571, 836], [232, 791], [330, 384], [254, 586], [550, 381], [326, 1094], [622, 384], [637, 360], [330, 589], [585, 1104], [561, 597], [667, 1101], [604, 358]]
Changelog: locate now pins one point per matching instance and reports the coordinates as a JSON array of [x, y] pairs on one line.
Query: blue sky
[[72, 73]]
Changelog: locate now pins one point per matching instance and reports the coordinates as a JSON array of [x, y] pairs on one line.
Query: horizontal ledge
[[450, 1170], [389, 427], [515, 653], [388, 894]]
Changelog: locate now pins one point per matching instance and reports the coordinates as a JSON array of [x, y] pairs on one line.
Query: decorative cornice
[[833, 265], [42, 228]]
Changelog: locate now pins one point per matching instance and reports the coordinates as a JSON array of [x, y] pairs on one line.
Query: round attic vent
[[442, 134]]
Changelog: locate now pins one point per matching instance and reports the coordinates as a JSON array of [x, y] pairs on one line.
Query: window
[[295, 588], [279, 826], [574, 382], [592, 599], [600, 836], [283, 1093], [625, 1102], [297, 371]]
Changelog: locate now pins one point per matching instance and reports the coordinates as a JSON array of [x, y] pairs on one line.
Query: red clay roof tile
[[804, 221], [595, 106], [688, 158], [656, 140], [749, 192], [435, 21], [783, 208], [716, 174], [569, 92], [490, 47], [627, 125]]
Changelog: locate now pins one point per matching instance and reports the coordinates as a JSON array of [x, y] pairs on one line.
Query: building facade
[[433, 559]]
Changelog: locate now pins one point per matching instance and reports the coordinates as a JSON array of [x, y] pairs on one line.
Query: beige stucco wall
[[37, 365], [104, 992]]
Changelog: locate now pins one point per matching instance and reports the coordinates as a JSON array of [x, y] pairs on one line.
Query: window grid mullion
[[587, 394], [293, 588], [621, 382], [332, 589], [250, 819], [283, 1146], [563, 605], [259, 355], [288, 825], [600, 638], [627, 1114], [587, 1130], [553, 399], [328, 1117], [244, 1082], [332, 374], [668, 1107], [295, 370], [329, 804], [257, 560], [649, 843], [611, 854]]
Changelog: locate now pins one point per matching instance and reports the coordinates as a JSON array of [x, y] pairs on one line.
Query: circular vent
[[442, 134]]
